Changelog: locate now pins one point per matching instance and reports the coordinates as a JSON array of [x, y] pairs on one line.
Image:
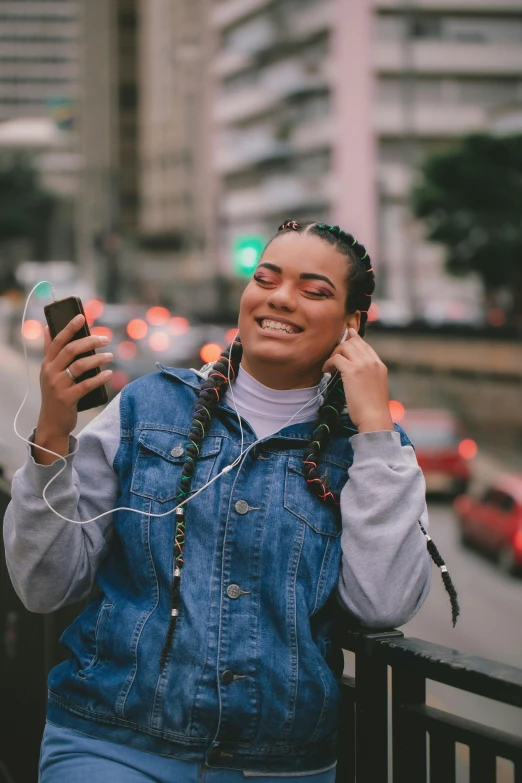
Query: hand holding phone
[[58, 315], [69, 346]]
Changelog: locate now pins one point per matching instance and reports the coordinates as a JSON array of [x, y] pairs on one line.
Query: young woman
[[207, 653]]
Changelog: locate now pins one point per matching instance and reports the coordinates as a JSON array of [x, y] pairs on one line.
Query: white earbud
[[345, 335]]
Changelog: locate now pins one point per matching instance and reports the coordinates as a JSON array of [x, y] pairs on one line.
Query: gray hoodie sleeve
[[386, 568], [52, 562]]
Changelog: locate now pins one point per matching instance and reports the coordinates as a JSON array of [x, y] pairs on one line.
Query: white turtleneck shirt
[[268, 410]]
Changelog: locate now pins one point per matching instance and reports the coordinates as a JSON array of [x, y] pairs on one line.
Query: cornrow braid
[[361, 279], [289, 224], [361, 285], [210, 393], [329, 413]]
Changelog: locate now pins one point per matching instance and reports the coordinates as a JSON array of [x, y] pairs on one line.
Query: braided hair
[[361, 284], [210, 393], [360, 280]]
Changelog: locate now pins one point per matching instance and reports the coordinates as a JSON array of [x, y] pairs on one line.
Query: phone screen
[[61, 313]]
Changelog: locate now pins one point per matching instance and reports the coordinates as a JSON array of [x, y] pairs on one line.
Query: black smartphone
[[58, 315]]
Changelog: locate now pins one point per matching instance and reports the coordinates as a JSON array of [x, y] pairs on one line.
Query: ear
[[354, 321]]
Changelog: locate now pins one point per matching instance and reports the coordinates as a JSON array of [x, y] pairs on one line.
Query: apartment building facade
[[324, 109], [108, 206], [177, 200], [39, 80]]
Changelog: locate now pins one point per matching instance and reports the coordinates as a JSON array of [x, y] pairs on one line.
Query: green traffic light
[[246, 252]]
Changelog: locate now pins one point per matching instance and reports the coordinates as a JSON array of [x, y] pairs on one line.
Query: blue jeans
[[70, 757]]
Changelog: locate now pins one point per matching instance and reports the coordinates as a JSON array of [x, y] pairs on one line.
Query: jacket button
[[227, 677], [234, 591], [242, 507], [177, 451]]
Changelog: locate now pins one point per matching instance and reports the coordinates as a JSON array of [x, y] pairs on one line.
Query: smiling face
[[292, 313]]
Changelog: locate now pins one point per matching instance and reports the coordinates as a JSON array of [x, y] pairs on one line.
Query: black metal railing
[[423, 739]]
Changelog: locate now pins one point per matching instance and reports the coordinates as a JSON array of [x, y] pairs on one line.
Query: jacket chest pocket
[[310, 509], [161, 456]]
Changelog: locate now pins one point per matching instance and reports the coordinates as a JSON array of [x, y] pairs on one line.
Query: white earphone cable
[[226, 469]]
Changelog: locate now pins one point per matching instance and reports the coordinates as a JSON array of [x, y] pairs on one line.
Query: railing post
[[345, 772], [482, 765], [371, 719], [409, 740], [442, 758], [371, 709]]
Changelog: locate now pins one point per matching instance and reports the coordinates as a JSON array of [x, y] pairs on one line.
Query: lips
[[281, 325]]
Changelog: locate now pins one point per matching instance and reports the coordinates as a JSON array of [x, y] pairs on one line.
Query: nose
[[282, 298]]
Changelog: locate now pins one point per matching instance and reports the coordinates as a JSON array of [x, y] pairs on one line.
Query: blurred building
[[205, 122], [324, 109], [507, 119], [109, 204], [145, 138], [39, 90], [176, 191]]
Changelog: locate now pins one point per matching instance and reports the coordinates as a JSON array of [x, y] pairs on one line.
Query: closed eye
[[321, 294], [263, 280]]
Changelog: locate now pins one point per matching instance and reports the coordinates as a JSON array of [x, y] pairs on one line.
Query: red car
[[443, 453], [493, 521]]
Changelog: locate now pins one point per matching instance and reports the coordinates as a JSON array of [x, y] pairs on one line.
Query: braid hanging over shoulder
[[210, 393], [361, 285]]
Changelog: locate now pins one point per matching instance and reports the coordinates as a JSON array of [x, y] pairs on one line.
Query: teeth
[[278, 326]]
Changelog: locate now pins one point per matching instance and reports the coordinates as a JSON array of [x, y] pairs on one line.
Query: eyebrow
[[304, 276]]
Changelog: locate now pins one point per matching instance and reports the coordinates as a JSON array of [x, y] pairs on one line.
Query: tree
[[25, 207], [470, 196]]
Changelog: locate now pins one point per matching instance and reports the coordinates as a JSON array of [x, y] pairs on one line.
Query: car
[[443, 452], [491, 519]]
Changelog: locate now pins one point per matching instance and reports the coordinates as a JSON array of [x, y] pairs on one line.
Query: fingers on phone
[[92, 383], [90, 362], [70, 351], [64, 336], [71, 328], [47, 338]]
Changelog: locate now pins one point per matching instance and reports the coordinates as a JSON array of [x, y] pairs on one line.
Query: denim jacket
[[251, 680]]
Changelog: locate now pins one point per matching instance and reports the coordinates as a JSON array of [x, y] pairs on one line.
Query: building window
[[240, 81], [488, 92], [426, 26], [315, 165], [128, 96], [251, 36]]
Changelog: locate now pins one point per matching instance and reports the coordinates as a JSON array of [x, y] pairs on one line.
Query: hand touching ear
[[365, 380]]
